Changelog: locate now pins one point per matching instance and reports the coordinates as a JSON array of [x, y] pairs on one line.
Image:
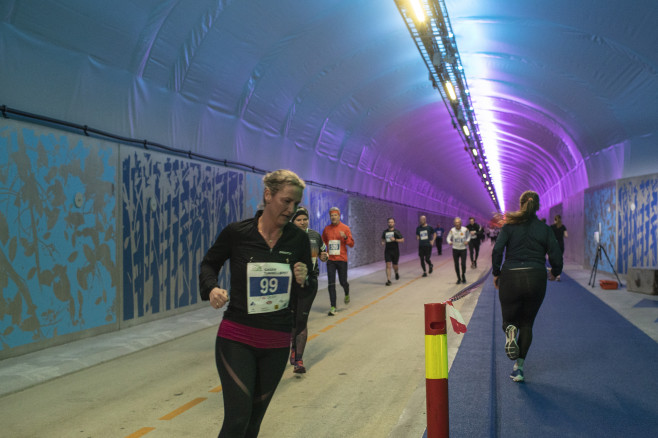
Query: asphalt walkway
[[365, 366]]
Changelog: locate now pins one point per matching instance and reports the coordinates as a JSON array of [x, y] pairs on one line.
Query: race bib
[[423, 235], [389, 236], [334, 247], [268, 286]]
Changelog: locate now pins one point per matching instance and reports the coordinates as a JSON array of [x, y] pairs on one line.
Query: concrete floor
[[366, 367]]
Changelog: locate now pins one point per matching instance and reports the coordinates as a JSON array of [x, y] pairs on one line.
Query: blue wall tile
[[58, 259]]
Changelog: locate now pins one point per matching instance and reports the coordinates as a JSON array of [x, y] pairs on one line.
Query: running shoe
[[332, 311], [397, 276], [459, 281], [431, 268], [517, 376], [299, 367], [388, 282], [511, 347], [475, 263], [464, 279], [292, 356], [424, 274], [347, 299]]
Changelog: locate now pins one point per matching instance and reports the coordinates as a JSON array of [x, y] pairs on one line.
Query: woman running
[[269, 265], [305, 299], [525, 240]]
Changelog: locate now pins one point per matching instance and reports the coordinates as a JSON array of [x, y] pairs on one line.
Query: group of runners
[[274, 279], [459, 237]]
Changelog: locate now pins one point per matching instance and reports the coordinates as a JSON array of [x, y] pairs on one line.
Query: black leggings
[[474, 249], [304, 303], [249, 377], [425, 252], [521, 293], [334, 266], [458, 254]]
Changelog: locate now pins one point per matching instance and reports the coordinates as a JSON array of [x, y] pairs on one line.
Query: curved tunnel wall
[[96, 236]]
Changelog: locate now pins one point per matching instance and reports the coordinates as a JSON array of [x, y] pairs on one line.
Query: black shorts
[[392, 255], [425, 251]]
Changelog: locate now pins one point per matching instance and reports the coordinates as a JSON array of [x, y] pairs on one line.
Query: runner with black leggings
[[269, 259], [525, 240], [306, 298]]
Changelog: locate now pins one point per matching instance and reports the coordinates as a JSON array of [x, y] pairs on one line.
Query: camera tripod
[[597, 259]]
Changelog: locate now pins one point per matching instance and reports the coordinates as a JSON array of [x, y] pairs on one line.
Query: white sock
[[519, 364]]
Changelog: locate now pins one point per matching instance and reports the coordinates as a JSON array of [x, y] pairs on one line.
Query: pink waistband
[[258, 338]]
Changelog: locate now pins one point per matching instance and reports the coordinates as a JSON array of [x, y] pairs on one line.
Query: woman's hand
[[218, 297], [300, 270], [324, 256], [496, 281]]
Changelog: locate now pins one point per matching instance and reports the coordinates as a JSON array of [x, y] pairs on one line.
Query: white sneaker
[[511, 347], [517, 375]]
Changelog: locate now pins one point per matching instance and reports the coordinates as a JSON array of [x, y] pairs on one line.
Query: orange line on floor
[[329, 327], [141, 432], [183, 408], [144, 430]]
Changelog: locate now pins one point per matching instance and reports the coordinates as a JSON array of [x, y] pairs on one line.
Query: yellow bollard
[[436, 371]]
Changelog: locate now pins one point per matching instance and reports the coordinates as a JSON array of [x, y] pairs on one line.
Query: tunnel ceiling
[[566, 93]]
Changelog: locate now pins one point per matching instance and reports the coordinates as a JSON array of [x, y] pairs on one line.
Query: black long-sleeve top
[[525, 246], [241, 243]]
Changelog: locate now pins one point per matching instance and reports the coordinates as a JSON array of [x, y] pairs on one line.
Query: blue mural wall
[[173, 210], [601, 215], [58, 271], [253, 193], [63, 198], [320, 201], [638, 222]]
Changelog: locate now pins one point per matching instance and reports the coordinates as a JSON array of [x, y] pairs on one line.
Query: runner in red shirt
[[337, 236]]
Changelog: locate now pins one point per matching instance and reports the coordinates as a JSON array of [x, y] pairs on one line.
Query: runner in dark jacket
[[269, 265], [525, 240]]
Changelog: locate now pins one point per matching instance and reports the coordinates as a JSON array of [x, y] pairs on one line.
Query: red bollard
[[436, 371]]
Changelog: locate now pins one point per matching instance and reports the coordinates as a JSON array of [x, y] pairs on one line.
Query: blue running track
[[589, 373]]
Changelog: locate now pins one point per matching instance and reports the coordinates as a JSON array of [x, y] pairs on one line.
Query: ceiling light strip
[[429, 26]]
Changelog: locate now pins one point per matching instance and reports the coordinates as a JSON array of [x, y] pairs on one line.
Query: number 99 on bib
[[268, 286]]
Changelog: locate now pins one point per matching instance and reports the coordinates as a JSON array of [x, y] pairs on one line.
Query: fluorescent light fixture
[[450, 90], [418, 10], [428, 24]]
